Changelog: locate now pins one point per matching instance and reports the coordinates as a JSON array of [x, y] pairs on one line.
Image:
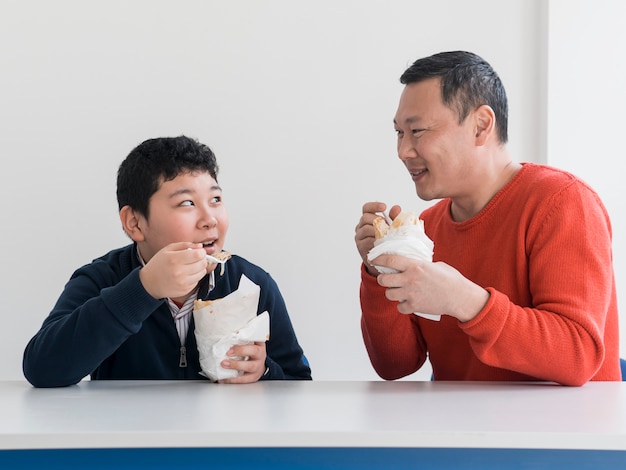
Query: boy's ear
[[485, 120], [130, 223]]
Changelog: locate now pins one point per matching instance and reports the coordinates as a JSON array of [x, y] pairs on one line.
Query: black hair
[[467, 82], [154, 161]]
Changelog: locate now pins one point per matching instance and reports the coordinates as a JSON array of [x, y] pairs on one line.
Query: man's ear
[[485, 122], [130, 223]]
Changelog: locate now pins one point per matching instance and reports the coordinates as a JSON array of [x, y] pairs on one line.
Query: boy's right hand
[[174, 271]]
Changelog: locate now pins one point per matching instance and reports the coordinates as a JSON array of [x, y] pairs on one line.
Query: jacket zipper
[[183, 357]]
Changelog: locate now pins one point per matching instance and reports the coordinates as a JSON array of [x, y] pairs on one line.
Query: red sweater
[[542, 248]]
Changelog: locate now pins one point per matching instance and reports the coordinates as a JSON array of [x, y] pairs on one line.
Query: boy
[[129, 314]]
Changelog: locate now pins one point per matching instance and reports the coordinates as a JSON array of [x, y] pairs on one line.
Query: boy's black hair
[[467, 82], [154, 161]]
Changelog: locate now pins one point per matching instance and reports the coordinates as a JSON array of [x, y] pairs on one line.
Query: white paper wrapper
[[226, 322], [406, 240]]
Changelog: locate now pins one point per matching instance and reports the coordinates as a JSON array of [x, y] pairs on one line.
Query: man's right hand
[[364, 231]]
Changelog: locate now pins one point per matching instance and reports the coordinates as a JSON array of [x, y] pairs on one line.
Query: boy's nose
[[209, 221]]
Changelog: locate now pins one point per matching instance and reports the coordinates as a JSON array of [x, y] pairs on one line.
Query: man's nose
[[406, 149]]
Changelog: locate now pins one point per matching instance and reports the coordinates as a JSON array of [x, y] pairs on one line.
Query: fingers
[[401, 284], [174, 271], [434, 288], [365, 236], [364, 231], [373, 207], [188, 252], [249, 359], [394, 211], [369, 213], [178, 246], [395, 262], [179, 254]]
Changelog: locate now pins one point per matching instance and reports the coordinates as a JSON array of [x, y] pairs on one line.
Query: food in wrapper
[[226, 322], [405, 236]]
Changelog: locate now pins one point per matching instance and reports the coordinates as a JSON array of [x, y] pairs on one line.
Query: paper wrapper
[[407, 240], [226, 322]]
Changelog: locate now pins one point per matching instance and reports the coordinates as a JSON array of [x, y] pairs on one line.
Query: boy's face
[[188, 208]]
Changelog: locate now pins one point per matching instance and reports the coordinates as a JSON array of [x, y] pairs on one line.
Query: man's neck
[[487, 187]]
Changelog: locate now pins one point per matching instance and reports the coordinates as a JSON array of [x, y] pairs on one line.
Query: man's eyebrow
[[409, 120]]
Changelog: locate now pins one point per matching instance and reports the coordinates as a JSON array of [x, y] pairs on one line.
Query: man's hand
[[364, 231], [252, 366], [434, 288], [174, 271]]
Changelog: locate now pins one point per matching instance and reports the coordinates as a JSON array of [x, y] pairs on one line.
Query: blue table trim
[[312, 458]]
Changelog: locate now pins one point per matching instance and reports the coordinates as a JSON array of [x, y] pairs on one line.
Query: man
[[522, 272]]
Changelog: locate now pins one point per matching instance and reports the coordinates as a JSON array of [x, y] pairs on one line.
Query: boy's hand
[[253, 367], [174, 271]]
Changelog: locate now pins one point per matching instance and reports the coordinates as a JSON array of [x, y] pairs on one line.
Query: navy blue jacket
[[106, 325]]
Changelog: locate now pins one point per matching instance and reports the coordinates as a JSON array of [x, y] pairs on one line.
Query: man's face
[[433, 146], [188, 208]]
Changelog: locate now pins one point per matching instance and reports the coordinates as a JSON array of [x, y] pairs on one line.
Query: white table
[[473, 423]]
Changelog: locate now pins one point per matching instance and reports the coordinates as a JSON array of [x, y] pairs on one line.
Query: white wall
[[296, 98], [586, 105]]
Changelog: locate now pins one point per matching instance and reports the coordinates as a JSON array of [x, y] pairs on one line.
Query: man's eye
[[399, 133], [187, 203], [216, 200]]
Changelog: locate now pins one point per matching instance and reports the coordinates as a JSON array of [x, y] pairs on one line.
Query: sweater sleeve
[[93, 316], [393, 340], [562, 336]]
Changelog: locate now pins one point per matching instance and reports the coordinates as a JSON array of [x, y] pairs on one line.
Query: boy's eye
[[216, 199], [187, 203]]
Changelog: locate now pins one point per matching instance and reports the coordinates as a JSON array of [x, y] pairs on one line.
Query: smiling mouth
[[416, 173], [210, 244]]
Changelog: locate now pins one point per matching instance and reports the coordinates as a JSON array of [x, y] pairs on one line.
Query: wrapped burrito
[[226, 322], [405, 236]]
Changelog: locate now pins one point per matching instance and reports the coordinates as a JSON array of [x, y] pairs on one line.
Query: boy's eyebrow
[[178, 192]]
